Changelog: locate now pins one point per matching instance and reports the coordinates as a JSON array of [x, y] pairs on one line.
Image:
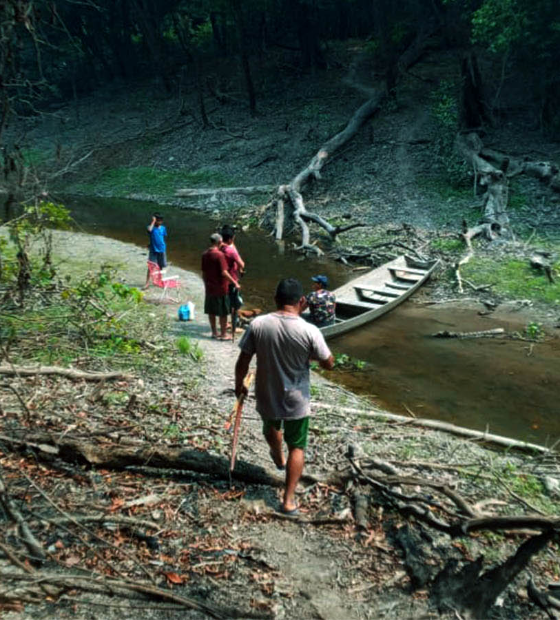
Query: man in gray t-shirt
[[284, 345]]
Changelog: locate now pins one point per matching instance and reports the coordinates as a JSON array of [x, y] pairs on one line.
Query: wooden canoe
[[377, 292]]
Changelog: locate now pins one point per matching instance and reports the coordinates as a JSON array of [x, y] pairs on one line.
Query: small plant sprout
[[534, 331]]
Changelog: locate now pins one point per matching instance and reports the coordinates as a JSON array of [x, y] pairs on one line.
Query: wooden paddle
[[237, 412]]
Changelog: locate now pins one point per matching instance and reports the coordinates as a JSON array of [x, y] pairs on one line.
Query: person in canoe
[[320, 303]]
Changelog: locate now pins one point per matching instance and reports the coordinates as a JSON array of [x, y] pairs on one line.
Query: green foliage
[[186, 347], [445, 111], [33, 226], [499, 24], [34, 157], [527, 486], [399, 32], [446, 244], [342, 361], [534, 330], [445, 106], [121, 182], [115, 398], [512, 278]]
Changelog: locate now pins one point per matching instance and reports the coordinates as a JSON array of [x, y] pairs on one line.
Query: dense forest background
[[51, 52]]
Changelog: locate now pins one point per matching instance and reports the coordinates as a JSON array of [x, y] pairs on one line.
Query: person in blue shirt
[[158, 234]]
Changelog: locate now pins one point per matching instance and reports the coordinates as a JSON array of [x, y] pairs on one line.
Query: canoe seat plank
[[416, 272], [368, 302], [400, 287], [400, 275], [375, 291]]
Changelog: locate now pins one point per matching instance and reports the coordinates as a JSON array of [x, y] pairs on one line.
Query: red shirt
[[232, 259], [213, 266]]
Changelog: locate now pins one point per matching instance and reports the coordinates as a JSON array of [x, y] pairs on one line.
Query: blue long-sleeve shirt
[[158, 235]]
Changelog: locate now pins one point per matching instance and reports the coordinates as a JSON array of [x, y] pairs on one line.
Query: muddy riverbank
[[405, 369]]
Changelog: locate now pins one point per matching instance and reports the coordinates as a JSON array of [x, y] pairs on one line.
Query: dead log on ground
[[544, 600], [467, 590], [71, 373], [540, 260], [546, 171], [11, 511], [118, 587], [494, 209], [212, 191], [473, 594], [445, 427], [291, 193], [487, 333], [119, 457]]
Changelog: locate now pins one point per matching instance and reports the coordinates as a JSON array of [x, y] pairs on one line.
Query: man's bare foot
[[225, 337]]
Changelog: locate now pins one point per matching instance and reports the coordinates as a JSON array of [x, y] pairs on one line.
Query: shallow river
[[509, 386]]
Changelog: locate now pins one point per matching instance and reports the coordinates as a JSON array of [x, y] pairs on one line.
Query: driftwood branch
[[63, 372], [544, 600], [292, 192], [33, 545], [484, 437], [213, 191], [106, 585], [472, 593], [120, 457], [487, 333]]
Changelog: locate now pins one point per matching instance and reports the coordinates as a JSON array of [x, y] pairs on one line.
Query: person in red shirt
[[236, 267], [216, 280]]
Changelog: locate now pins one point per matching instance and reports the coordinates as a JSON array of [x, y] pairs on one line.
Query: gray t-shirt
[[284, 345]]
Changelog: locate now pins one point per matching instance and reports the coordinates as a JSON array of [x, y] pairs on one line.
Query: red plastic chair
[[166, 283]]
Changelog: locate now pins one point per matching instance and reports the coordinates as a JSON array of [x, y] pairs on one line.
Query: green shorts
[[295, 431]]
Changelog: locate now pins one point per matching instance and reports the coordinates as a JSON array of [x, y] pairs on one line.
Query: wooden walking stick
[[237, 412]]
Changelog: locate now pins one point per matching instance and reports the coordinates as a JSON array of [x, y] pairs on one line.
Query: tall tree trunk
[[218, 33], [308, 35], [238, 14], [473, 114], [149, 28]]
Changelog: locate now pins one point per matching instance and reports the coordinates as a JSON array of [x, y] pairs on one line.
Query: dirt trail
[[307, 564]]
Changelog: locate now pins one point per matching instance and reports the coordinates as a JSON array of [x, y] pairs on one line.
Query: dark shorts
[[295, 431], [217, 306], [235, 301], [158, 257]]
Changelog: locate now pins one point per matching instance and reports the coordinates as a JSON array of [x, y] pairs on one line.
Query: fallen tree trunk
[[108, 585], [546, 171], [473, 594], [487, 333], [485, 437], [71, 373], [291, 193], [119, 457], [494, 209], [211, 191]]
